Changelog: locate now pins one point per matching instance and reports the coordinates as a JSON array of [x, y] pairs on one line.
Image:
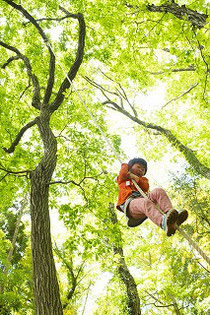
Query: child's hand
[[133, 176]]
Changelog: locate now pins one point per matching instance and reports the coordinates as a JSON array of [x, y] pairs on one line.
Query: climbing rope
[[187, 237], [191, 242]]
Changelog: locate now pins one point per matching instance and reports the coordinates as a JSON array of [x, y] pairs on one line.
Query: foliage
[[144, 52]]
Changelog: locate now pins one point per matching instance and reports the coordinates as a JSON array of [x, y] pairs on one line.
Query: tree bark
[[46, 289], [181, 12], [133, 300]]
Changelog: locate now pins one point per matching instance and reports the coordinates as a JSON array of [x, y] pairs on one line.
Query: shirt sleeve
[[123, 175]]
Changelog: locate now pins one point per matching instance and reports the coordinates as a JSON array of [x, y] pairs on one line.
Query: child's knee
[[147, 203], [158, 191]]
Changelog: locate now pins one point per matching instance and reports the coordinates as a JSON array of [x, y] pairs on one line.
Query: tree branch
[[50, 19], [75, 67], [19, 173], [188, 153], [70, 267], [26, 88], [181, 95], [51, 78], [19, 136], [156, 299], [36, 92], [207, 66], [191, 68], [75, 183], [9, 61], [181, 12], [120, 93]]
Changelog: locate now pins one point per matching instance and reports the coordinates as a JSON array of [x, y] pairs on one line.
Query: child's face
[[138, 169]]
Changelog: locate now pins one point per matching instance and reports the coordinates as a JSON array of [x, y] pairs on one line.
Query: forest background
[[141, 69]]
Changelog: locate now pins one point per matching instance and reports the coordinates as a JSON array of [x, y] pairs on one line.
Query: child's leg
[[141, 207], [160, 197]]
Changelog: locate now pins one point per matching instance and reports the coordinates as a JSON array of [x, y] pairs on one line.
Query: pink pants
[[141, 207]]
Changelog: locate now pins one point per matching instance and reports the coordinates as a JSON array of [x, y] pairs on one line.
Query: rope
[[191, 242], [94, 120]]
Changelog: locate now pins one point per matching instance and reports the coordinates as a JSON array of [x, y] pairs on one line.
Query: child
[[137, 208]]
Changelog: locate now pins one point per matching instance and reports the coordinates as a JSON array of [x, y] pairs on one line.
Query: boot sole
[[171, 222], [182, 216]]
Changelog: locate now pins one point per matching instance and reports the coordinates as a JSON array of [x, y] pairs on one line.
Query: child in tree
[[137, 208]]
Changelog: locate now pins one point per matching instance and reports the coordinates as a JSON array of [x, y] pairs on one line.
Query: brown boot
[[171, 220], [182, 216]]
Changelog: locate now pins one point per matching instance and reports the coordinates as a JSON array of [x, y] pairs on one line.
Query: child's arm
[[123, 175]]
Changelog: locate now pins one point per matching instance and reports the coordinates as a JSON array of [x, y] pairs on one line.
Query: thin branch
[[86, 298], [26, 88], [14, 238], [101, 88], [64, 182], [156, 299], [203, 267], [158, 22], [36, 93], [80, 269], [13, 172], [9, 61], [78, 184], [181, 95], [75, 183], [51, 78], [159, 306], [207, 66], [19, 136], [121, 93], [18, 173], [191, 68], [3, 177], [75, 67], [50, 19]]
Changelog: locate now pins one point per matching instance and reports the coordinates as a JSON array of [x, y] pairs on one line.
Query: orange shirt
[[126, 187]]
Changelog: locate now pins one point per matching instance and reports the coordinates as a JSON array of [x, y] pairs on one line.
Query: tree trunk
[[133, 300], [46, 289]]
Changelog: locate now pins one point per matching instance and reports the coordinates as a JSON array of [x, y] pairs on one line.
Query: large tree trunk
[[46, 289], [133, 301]]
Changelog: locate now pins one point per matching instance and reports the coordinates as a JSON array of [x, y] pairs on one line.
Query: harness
[[131, 222]]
